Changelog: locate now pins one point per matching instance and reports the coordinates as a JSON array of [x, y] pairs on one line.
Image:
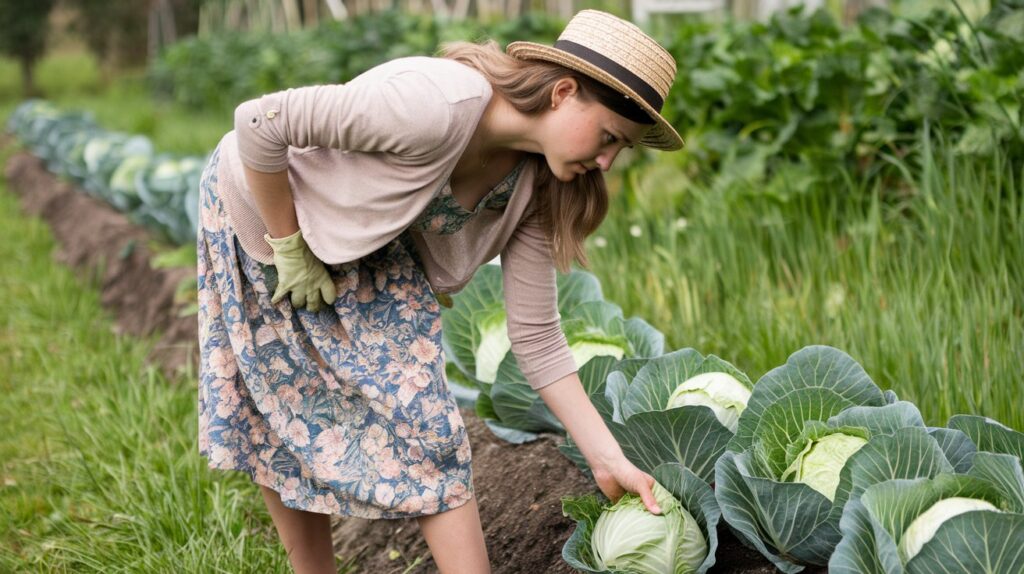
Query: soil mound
[[518, 487]]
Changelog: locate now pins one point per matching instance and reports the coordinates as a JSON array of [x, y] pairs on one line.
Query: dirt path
[[518, 488]]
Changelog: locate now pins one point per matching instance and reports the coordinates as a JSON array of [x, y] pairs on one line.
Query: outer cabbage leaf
[[989, 435], [460, 335], [811, 367], [649, 433]]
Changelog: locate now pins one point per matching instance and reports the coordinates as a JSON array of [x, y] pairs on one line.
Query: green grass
[[99, 468], [73, 81], [923, 286]]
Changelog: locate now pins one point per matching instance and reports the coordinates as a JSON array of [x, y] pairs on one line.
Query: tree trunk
[[28, 84]]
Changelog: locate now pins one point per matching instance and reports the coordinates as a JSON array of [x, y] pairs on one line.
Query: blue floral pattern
[[445, 216], [343, 411]]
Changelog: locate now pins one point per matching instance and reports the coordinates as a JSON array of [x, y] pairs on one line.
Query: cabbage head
[[924, 527], [721, 392], [627, 537], [494, 343], [821, 461]]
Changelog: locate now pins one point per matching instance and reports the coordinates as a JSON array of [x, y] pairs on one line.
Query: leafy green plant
[[222, 71], [160, 192]]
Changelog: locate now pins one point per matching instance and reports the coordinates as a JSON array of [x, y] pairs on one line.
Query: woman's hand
[[614, 474], [619, 476], [300, 273]]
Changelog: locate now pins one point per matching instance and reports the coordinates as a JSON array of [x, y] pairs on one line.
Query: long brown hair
[[568, 211]]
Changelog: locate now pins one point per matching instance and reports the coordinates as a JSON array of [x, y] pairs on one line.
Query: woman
[[334, 219]]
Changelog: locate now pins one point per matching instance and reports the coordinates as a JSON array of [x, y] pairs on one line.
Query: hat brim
[[661, 136]]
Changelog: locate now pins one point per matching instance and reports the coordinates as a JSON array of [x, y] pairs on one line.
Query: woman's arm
[[613, 473], [274, 201]]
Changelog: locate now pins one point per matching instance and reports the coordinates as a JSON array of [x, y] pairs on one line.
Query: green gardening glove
[[300, 272]]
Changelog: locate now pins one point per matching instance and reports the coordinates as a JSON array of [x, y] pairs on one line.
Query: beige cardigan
[[365, 158]]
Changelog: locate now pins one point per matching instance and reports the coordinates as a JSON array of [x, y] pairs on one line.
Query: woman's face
[[581, 135]]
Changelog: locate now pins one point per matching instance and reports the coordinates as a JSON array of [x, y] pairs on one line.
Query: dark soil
[[518, 487]]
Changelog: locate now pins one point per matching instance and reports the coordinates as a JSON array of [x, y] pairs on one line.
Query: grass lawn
[[99, 468], [73, 81]]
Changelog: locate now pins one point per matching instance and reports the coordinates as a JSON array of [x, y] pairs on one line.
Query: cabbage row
[[158, 191], [813, 464]]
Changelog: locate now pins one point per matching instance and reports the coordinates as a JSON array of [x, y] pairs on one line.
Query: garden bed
[[518, 487]]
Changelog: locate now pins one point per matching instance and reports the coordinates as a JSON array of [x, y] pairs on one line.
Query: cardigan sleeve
[[403, 113], [531, 301]]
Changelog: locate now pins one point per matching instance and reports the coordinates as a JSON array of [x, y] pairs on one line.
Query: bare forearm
[[273, 197], [569, 402]]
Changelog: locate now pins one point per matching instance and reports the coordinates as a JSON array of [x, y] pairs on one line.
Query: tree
[[23, 27], [116, 32]]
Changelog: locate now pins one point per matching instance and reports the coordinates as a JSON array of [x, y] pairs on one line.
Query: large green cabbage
[[625, 537], [815, 434], [628, 537], [720, 392], [821, 461]]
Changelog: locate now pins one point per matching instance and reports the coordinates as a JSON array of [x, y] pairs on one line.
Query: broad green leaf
[[698, 499], [692, 493], [906, 454], [976, 542], [821, 367], [520, 407], [577, 287], [783, 421], [957, 447], [460, 337], [1005, 473], [584, 510], [865, 548], [646, 340], [895, 504], [787, 522], [514, 436], [989, 435], [484, 407], [885, 419], [690, 436]]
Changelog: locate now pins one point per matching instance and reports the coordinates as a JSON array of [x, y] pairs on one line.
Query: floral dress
[[342, 411]]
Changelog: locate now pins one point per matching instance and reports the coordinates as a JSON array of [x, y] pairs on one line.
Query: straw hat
[[619, 54]]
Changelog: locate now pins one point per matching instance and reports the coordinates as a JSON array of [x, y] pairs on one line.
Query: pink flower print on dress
[[384, 494], [415, 452], [426, 473], [424, 350], [455, 494], [222, 363], [220, 455], [327, 502], [430, 502], [290, 397], [298, 432], [412, 503], [375, 438], [388, 466], [265, 335], [279, 364], [289, 490]]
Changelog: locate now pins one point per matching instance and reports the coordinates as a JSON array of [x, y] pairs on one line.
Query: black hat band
[[615, 70]]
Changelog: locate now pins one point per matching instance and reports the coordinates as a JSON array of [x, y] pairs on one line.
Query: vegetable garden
[[807, 325]]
